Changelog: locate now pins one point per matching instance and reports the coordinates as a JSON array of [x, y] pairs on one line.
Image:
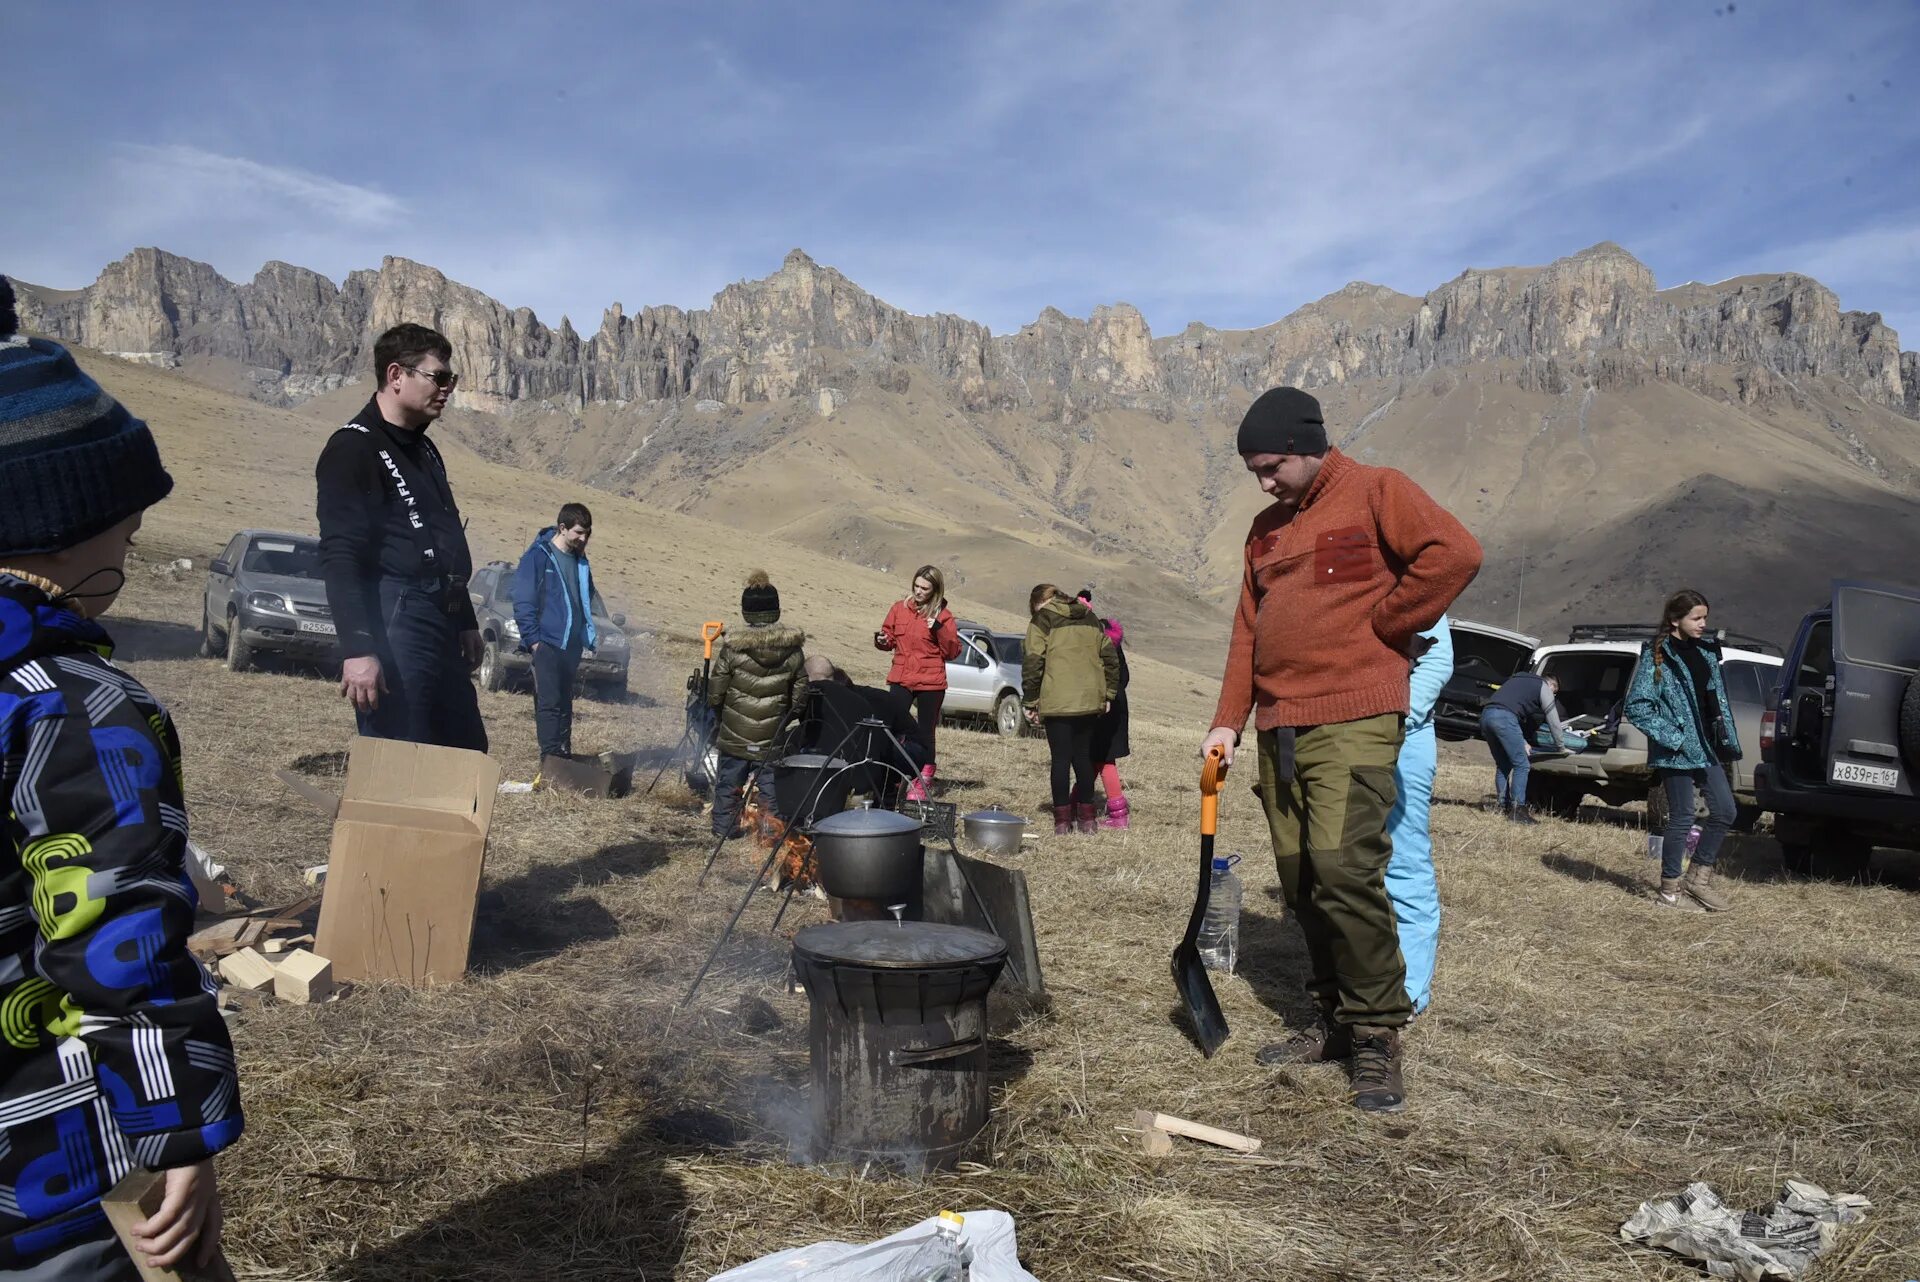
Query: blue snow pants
[[1410, 878]]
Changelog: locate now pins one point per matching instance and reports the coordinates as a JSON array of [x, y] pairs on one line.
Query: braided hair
[[1678, 607]]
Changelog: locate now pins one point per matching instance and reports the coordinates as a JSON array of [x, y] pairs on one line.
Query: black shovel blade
[[1190, 973]]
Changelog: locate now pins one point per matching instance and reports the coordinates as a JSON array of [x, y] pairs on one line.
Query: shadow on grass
[[1273, 960], [1586, 870], [153, 639], [536, 914], [621, 1214]]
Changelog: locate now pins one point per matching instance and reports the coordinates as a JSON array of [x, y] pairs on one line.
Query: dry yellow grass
[[557, 1116]]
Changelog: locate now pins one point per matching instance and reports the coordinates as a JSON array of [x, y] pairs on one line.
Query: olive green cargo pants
[[1330, 844]]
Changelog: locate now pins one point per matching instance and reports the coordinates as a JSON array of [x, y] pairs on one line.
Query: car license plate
[[1866, 776], [311, 625]]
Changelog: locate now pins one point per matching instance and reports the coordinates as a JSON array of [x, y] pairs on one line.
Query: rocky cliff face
[[1596, 318]]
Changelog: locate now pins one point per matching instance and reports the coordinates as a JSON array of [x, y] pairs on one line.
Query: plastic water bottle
[[1693, 839], [1219, 940], [938, 1258]]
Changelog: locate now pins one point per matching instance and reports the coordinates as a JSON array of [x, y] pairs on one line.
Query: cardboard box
[[608, 775], [403, 871]]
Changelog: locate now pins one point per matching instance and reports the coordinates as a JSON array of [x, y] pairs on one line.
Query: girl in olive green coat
[[1069, 677]]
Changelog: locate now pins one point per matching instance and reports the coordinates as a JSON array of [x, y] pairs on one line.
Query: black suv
[[1483, 657], [603, 670], [1840, 747]]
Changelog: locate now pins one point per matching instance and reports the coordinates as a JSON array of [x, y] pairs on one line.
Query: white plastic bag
[[988, 1237]]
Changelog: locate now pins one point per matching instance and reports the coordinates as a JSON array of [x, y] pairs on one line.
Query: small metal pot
[[869, 854], [997, 831]]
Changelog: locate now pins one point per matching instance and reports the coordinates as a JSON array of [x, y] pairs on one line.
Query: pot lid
[[811, 761], [867, 823], [898, 944], [995, 816]]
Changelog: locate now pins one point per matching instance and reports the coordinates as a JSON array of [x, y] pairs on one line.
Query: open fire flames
[[796, 857]]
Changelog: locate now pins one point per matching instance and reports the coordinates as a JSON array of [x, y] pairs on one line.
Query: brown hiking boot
[[1669, 894], [1324, 1043], [1062, 820], [1702, 885], [1377, 1086], [1086, 817]]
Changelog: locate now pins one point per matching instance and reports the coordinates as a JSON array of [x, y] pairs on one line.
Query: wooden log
[[1150, 1121], [247, 969], [133, 1201], [302, 977]]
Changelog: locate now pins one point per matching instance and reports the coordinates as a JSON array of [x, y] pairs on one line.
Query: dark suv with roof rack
[[1841, 743]]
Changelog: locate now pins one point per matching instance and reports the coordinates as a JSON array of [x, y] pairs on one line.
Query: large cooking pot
[[996, 830], [869, 854], [812, 786]]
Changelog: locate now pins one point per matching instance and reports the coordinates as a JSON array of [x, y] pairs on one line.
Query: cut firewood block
[[283, 945], [302, 977], [133, 1201], [1150, 1122], [247, 969]]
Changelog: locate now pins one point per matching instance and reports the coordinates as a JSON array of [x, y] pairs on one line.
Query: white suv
[[1595, 670], [984, 681]]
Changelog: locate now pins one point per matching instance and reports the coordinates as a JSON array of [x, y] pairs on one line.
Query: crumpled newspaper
[[1776, 1242]]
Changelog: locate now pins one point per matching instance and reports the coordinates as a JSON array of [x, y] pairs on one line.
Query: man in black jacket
[[393, 551]]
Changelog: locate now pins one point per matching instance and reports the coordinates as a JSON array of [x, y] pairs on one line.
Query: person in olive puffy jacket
[[1069, 677], [759, 683], [921, 633]]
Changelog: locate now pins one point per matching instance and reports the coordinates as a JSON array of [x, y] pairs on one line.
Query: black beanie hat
[[760, 602], [75, 462], [1285, 420]]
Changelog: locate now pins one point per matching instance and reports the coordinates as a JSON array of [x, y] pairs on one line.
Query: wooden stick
[[1150, 1121]]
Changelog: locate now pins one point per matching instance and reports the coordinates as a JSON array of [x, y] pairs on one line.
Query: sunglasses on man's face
[[444, 379]]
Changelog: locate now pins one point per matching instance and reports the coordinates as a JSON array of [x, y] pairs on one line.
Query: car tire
[[1845, 858], [1797, 858], [239, 653], [1910, 724], [493, 676], [1657, 807], [1007, 716], [1558, 798], [209, 647]]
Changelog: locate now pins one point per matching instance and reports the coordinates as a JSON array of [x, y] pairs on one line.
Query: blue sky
[[1222, 162]]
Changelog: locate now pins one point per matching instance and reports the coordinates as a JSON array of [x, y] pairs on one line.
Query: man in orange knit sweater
[[1340, 575]]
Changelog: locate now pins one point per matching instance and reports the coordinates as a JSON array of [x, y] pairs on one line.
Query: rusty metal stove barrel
[[898, 1035]]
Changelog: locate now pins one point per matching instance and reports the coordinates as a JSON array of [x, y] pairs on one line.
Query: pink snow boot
[[1117, 812]]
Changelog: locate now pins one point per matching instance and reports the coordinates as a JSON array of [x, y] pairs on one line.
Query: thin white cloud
[[234, 187]]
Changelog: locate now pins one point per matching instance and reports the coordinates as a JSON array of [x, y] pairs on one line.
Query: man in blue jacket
[[553, 605]]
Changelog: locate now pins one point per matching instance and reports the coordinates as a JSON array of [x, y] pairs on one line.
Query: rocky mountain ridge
[[1595, 319]]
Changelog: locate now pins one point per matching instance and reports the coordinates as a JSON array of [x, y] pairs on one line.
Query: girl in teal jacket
[[1679, 700]]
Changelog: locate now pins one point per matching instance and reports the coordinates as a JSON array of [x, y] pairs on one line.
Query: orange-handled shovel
[[1189, 972]]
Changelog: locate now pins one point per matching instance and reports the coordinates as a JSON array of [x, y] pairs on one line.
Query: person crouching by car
[[1679, 700], [1069, 677], [759, 683], [923, 637], [115, 1056], [553, 608], [1523, 706]]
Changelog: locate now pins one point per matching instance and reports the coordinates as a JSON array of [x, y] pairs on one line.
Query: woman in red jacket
[[921, 633]]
